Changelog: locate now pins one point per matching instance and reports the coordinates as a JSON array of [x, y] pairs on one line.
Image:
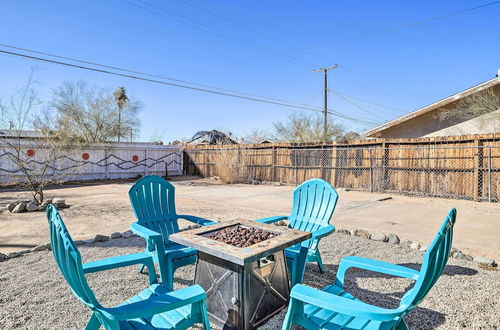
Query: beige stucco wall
[[428, 124]]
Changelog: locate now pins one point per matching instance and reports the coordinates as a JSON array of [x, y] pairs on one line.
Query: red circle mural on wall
[[30, 152], [85, 156], [135, 158]]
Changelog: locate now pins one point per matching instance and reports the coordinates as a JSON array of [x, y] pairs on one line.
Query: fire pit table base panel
[[243, 297]]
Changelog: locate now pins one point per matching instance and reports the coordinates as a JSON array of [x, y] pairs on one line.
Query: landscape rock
[[13, 255], [485, 260], [101, 238], [406, 243], [393, 239], [24, 251], [3, 257], [423, 248], [48, 245], [44, 205], [343, 231], [20, 207], [363, 233], [380, 237], [39, 248], [415, 246], [116, 235], [32, 206], [79, 242], [59, 203], [128, 234], [11, 206], [255, 182], [354, 232], [277, 183]]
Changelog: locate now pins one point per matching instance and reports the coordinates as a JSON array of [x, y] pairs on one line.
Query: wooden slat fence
[[461, 167]]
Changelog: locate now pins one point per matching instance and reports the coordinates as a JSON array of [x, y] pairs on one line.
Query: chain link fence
[[459, 172]]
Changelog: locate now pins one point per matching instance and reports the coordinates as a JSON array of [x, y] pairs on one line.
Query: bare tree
[[257, 135], [93, 115], [307, 128], [32, 152], [472, 106]]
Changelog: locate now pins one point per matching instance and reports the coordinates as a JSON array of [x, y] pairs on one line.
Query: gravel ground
[[33, 294]]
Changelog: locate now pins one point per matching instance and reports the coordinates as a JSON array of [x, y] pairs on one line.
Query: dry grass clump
[[229, 165]]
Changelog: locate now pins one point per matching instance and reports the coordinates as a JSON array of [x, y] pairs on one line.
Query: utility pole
[[325, 111]]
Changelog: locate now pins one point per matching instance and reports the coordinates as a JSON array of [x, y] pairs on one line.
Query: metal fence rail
[[460, 172]]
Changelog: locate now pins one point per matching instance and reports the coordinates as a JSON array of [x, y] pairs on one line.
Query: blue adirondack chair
[[313, 204], [153, 202], [154, 308], [335, 308]]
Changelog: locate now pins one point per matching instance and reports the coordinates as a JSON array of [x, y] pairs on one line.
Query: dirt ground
[[105, 208]]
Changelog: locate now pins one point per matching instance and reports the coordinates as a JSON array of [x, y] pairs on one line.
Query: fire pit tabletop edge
[[194, 238]]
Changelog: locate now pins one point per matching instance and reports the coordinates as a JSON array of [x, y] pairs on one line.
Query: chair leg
[[93, 323], [204, 316], [320, 264], [287, 322]]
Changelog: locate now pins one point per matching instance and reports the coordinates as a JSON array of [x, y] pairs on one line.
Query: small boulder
[[3, 257], [380, 237], [423, 248], [13, 255], [44, 205], [32, 206], [277, 183], [11, 206], [20, 207], [485, 260], [39, 248], [59, 203], [415, 246], [101, 238], [343, 231], [406, 243], [128, 234], [393, 239], [116, 235], [255, 182], [48, 245], [363, 233], [354, 232], [24, 251]]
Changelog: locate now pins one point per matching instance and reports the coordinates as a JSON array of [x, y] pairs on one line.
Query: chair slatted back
[[153, 202], [68, 258], [433, 263], [313, 204]]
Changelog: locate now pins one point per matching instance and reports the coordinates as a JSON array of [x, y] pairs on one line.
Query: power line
[[144, 73], [360, 107], [367, 101], [219, 33], [369, 34], [363, 121]]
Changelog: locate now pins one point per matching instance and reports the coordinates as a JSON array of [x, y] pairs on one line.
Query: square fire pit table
[[245, 285]]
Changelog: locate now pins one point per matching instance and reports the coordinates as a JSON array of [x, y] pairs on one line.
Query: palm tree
[[121, 99]]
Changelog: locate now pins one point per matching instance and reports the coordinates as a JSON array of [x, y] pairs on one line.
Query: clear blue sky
[[402, 69]]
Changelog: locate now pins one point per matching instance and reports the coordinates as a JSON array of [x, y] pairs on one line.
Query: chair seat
[[325, 319], [178, 251], [168, 320]]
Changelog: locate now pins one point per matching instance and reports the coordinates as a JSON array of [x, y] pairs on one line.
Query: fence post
[[489, 174], [371, 170], [146, 169], [106, 169], [478, 162], [295, 163], [385, 163], [273, 168], [322, 160]]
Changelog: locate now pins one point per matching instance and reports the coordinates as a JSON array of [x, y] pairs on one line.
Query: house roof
[[12, 133], [433, 106]]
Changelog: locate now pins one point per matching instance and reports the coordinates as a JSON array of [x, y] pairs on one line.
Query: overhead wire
[[341, 115]]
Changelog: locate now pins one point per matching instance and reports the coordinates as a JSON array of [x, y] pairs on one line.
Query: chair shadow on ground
[[419, 318]]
